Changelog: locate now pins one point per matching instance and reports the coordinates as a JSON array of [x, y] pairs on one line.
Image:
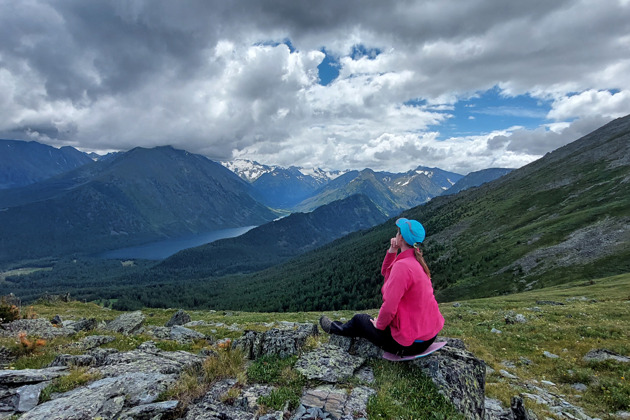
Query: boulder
[[459, 376], [456, 372], [177, 333], [179, 318], [147, 358], [282, 342], [150, 411], [93, 341], [34, 328], [106, 398], [328, 363], [82, 324], [30, 376], [127, 323], [20, 389], [599, 355]]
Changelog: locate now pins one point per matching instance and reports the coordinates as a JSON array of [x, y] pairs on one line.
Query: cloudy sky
[[460, 85]]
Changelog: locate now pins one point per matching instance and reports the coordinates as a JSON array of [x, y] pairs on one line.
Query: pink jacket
[[409, 306]]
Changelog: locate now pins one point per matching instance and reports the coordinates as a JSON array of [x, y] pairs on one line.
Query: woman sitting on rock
[[409, 318]]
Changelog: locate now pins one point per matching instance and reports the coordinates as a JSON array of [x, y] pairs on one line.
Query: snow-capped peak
[[248, 169]]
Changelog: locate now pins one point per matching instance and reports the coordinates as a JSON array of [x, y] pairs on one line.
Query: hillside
[[564, 217], [274, 242], [477, 178], [24, 163], [135, 197]]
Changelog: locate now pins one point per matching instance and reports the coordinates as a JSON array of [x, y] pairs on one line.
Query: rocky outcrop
[[131, 381], [179, 318], [456, 372], [328, 363], [283, 342], [34, 328], [460, 377], [20, 389], [108, 398], [176, 333], [127, 323]]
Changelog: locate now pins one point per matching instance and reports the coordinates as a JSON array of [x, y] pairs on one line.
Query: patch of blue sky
[[489, 111], [329, 67]]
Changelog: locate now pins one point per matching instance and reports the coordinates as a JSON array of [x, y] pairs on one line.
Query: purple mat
[[433, 347]]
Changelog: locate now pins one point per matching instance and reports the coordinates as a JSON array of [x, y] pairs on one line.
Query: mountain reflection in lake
[[164, 249]]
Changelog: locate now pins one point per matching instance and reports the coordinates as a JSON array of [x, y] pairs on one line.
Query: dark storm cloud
[[214, 77]]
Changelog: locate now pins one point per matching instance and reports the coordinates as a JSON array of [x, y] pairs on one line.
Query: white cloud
[[216, 79], [591, 102]]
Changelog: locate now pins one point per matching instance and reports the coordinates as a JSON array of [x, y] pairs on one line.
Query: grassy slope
[[501, 238], [594, 315]]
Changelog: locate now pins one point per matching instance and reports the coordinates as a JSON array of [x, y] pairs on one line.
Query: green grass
[[77, 377], [595, 314], [403, 392]]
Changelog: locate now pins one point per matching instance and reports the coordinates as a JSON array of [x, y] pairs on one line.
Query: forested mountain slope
[[135, 197], [563, 217]]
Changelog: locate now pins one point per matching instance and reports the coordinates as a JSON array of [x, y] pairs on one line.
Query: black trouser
[[361, 326]]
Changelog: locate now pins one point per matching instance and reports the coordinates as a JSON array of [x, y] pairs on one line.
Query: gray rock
[[100, 355], [456, 305], [35, 328], [83, 324], [127, 323], [148, 359], [328, 363], [30, 376], [550, 355], [28, 396], [518, 409], [177, 333], [150, 411], [56, 320], [92, 341], [579, 387], [357, 346], [211, 408], [365, 374], [507, 374], [554, 402], [599, 355], [73, 360], [104, 398], [185, 335], [326, 400], [513, 318], [460, 377], [494, 410], [495, 331], [281, 342], [179, 318]]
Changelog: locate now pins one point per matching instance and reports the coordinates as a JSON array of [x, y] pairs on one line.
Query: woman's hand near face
[[393, 245]]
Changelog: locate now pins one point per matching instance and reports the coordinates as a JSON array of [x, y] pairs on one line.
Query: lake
[[164, 249]]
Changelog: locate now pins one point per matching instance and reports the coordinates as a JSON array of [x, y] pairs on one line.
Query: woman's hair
[[418, 252]]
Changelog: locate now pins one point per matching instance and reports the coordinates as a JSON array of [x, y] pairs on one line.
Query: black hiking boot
[[325, 323]]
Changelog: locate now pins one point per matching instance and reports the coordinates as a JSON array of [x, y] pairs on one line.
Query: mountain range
[[136, 197], [78, 204], [23, 163], [564, 217]]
